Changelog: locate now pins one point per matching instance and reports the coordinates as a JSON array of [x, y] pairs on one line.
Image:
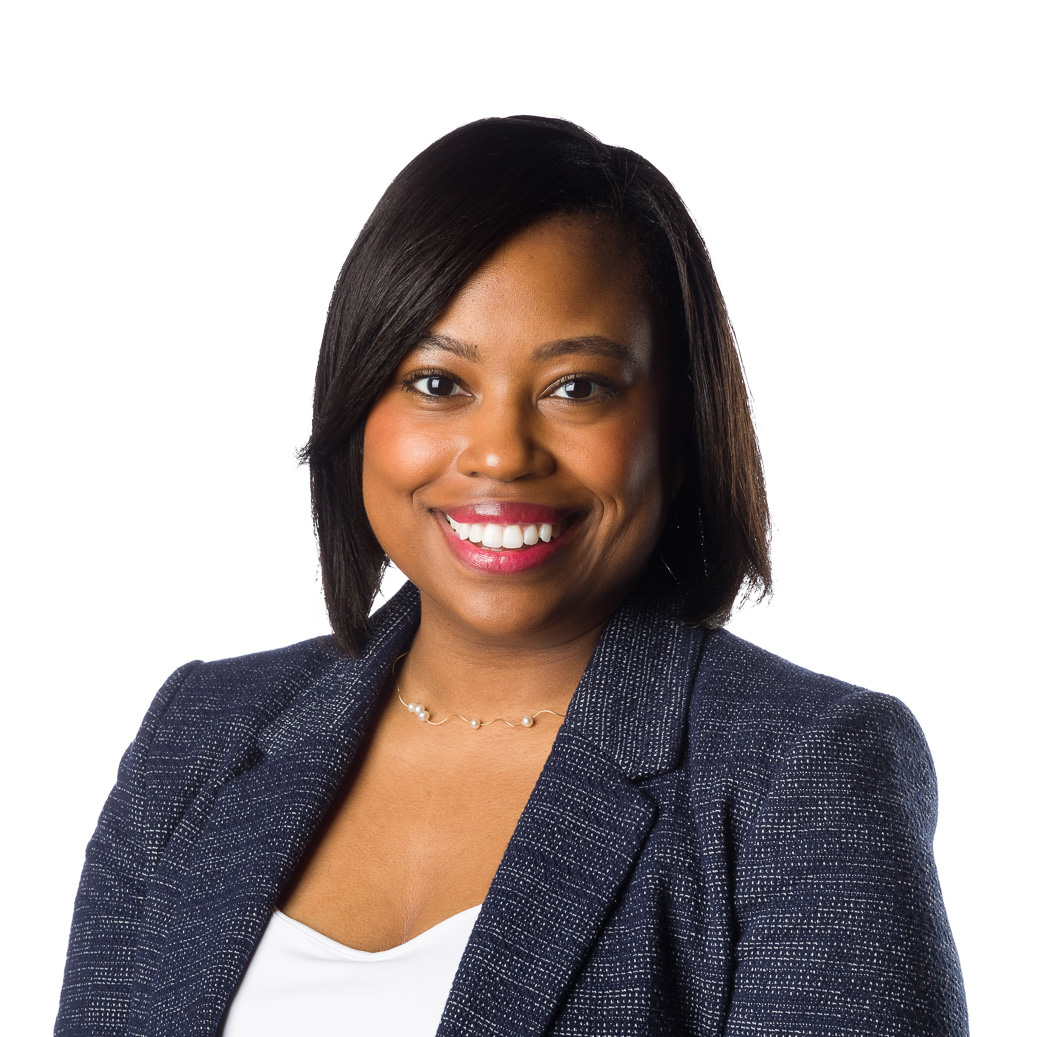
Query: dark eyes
[[578, 389], [573, 387], [435, 385]]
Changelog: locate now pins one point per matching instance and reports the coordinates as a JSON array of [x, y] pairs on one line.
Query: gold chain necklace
[[473, 722]]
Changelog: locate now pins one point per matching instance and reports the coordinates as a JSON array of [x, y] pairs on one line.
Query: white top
[[303, 983]]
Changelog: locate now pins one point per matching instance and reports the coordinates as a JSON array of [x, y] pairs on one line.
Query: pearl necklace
[[473, 722]]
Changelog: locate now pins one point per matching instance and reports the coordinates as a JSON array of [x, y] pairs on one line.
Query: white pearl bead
[[527, 721], [418, 707], [422, 715], [474, 723], [411, 707]]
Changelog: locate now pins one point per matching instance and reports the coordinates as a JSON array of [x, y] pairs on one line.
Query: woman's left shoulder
[[761, 705], [823, 797]]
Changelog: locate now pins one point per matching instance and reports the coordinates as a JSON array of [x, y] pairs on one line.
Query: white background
[[182, 183]]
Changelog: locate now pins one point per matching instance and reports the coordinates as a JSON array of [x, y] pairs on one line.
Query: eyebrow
[[592, 345]]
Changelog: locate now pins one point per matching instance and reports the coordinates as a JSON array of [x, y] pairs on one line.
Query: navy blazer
[[720, 843]]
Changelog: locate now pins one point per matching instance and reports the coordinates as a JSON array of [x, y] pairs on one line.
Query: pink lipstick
[[504, 537], [507, 513]]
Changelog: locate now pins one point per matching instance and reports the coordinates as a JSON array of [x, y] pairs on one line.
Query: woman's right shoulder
[[259, 685], [212, 716], [207, 712]]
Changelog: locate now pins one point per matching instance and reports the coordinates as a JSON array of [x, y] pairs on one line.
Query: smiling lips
[[503, 537]]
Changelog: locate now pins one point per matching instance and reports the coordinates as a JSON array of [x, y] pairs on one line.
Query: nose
[[504, 441]]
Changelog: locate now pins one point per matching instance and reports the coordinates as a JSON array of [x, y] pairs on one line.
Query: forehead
[[563, 277]]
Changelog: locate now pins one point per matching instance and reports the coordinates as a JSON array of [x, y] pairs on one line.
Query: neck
[[453, 672]]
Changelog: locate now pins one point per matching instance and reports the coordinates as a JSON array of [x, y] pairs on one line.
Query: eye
[[434, 384], [579, 387]]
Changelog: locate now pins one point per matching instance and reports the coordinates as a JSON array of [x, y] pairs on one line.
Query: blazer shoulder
[[252, 675], [750, 707], [259, 679], [755, 678], [214, 710]]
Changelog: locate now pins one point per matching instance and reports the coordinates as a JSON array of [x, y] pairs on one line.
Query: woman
[[541, 790]]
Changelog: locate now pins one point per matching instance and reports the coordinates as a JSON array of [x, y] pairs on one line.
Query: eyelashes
[[579, 387], [433, 383]]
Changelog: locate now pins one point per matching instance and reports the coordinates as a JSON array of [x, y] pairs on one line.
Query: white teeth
[[512, 537], [497, 537]]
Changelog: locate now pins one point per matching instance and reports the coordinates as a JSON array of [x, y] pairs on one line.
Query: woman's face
[[515, 467]]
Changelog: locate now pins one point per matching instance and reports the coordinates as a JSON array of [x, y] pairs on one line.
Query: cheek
[[627, 466], [399, 456]]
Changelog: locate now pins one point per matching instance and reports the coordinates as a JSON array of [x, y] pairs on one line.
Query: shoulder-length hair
[[439, 220]]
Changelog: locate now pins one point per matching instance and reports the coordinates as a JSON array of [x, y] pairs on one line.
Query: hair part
[[437, 223]]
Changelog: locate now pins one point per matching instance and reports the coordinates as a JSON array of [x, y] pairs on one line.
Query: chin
[[497, 615]]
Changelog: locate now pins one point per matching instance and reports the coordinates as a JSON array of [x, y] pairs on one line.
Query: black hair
[[439, 220]]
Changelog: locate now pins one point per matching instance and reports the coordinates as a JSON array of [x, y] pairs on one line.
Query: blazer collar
[[632, 702], [574, 846], [335, 709]]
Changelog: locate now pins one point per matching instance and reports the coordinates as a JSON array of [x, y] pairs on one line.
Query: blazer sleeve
[[841, 923], [99, 968]]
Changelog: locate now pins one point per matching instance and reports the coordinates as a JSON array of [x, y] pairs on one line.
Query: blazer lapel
[[265, 808], [582, 829]]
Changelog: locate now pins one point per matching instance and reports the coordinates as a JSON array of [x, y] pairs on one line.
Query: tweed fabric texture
[[720, 843]]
